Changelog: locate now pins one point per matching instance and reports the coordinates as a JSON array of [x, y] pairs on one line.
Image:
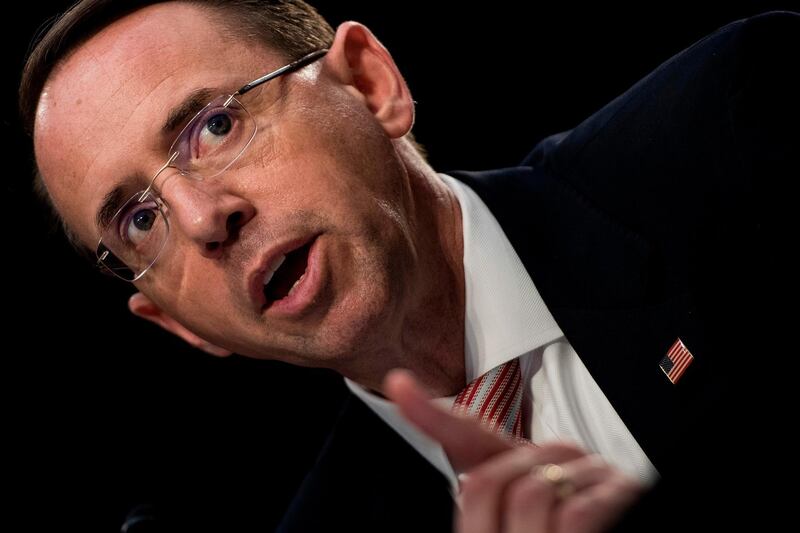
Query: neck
[[430, 339]]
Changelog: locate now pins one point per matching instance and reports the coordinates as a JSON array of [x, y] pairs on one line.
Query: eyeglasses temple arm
[[300, 63]]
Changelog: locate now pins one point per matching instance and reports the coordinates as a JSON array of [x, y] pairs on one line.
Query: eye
[[135, 225], [213, 138], [214, 132], [218, 124]]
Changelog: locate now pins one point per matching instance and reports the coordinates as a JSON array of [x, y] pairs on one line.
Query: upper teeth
[[275, 265]]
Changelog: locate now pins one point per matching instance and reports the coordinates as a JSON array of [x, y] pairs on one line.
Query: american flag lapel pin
[[677, 360]]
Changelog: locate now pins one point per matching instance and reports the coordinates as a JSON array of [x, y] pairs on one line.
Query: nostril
[[234, 224], [233, 220]]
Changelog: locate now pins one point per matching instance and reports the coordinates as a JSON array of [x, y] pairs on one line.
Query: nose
[[206, 212]]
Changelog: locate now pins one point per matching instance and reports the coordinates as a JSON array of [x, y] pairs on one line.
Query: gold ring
[[554, 475]]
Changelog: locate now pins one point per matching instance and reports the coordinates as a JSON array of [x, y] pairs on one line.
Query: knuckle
[[526, 452], [572, 448], [525, 492], [478, 485], [565, 448], [596, 460], [582, 510]]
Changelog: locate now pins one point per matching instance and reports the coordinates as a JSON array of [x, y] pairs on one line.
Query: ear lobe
[[358, 60], [141, 306]]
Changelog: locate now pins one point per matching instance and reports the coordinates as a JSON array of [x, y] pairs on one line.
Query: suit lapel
[[594, 275]]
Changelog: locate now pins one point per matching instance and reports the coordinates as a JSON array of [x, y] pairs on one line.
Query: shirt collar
[[505, 316]]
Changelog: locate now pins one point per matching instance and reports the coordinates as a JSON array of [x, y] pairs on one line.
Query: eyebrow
[[189, 106], [113, 200]]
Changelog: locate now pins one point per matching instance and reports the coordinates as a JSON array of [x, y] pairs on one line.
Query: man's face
[[320, 175]]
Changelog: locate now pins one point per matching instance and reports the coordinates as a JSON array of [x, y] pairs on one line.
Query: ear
[[141, 306], [358, 60]]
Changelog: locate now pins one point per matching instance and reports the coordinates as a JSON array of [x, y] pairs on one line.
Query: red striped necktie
[[495, 398]]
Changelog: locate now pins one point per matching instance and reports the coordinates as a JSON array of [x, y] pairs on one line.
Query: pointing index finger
[[465, 441]]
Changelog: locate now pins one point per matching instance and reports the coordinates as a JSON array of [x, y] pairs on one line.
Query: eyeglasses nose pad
[[165, 166]]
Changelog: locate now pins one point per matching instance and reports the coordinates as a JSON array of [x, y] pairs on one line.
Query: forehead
[[101, 111]]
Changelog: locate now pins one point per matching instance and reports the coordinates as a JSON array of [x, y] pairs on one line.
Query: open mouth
[[286, 273]]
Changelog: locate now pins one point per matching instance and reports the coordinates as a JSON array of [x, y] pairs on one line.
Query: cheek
[[361, 169], [340, 125], [185, 292]]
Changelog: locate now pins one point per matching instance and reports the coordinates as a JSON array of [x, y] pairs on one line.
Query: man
[[293, 219]]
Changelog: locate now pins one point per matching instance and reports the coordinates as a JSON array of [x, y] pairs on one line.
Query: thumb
[[466, 442]]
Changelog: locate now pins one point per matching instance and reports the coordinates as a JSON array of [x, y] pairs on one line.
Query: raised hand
[[513, 488]]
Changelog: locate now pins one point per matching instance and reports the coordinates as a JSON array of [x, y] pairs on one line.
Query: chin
[[355, 329]]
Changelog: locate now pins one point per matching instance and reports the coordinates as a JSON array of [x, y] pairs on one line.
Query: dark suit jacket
[[663, 215]]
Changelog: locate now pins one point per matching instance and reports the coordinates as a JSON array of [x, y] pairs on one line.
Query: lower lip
[[303, 295]]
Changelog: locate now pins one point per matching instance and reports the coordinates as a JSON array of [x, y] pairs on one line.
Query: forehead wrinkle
[[153, 50], [137, 107], [124, 64], [111, 100], [147, 138]]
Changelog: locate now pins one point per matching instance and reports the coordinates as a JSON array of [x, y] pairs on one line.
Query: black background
[[102, 411]]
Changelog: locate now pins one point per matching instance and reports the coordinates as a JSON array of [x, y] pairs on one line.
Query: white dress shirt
[[506, 318]]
